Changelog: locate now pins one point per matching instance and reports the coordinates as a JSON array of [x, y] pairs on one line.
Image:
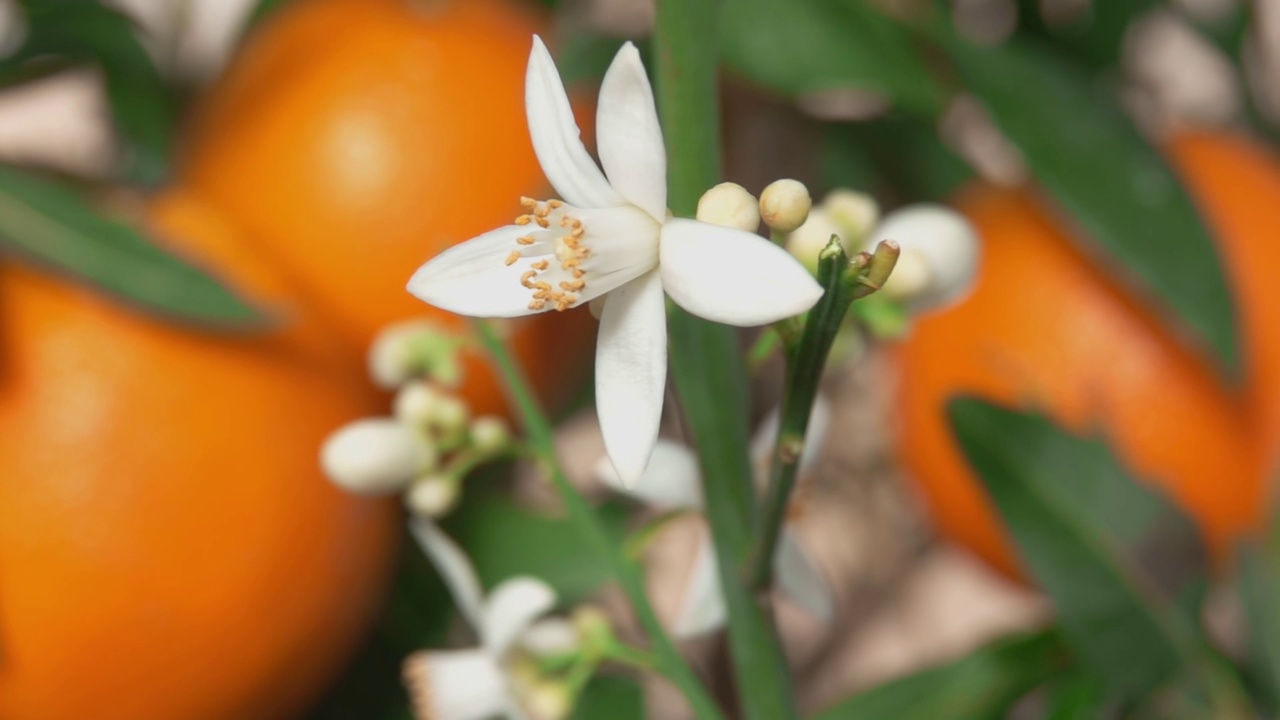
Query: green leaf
[[981, 686], [53, 226], [1078, 695], [803, 46], [610, 697], [1095, 37], [1259, 587], [1104, 548], [1122, 195], [904, 151], [61, 32], [550, 548]]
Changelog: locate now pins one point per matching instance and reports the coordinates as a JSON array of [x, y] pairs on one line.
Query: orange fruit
[[353, 140], [169, 548], [1047, 329]]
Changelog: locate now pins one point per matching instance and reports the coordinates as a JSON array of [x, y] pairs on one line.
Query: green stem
[[706, 362], [804, 373], [667, 660]]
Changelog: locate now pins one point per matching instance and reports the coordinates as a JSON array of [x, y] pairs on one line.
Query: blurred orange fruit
[[353, 140], [169, 548], [1046, 329]]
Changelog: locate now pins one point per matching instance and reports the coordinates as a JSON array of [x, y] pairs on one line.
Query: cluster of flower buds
[[939, 248], [431, 441]]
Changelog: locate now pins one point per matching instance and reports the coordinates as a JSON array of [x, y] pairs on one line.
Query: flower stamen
[[567, 238]]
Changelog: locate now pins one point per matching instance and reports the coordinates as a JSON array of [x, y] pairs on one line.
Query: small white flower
[[477, 683], [610, 237], [375, 456], [673, 482], [785, 205], [729, 204]]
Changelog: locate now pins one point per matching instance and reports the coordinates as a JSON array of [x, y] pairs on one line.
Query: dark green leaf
[[1078, 695], [61, 32], [1259, 585], [1104, 548], [52, 225], [550, 548], [981, 686], [903, 151], [803, 46], [1096, 36], [1210, 689], [1120, 192], [610, 697]]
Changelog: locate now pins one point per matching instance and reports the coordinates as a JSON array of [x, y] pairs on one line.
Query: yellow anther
[[555, 204], [572, 285], [537, 304], [526, 240], [513, 257], [524, 220], [542, 222], [540, 265], [527, 278], [528, 202], [578, 273]]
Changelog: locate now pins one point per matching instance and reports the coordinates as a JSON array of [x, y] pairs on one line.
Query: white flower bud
[[939, 255], [806, 242], [409, 349], [856, 213], [489, 433], [548, 700], [451, 416], [785, 204], [375, 456], [416, 403], [729, 204], [432, 496]]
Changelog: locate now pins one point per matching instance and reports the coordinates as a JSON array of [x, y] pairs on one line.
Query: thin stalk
[[667, 660], [707, 365]]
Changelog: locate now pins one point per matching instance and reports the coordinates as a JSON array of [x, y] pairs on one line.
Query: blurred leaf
[[1096, 37], [1078, 695], [803, 46], [584, 56], [1104, 548], [52, 225], [86, 32], [981, 686], [1118, 189], [610, 697], [1259, 587], [903, 151], [1211, 689], [550, 548], [263, 10]]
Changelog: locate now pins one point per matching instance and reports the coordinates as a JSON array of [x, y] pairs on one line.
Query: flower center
[[563, 251]]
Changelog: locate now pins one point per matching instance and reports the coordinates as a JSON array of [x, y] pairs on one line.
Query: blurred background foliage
[[909, 101]]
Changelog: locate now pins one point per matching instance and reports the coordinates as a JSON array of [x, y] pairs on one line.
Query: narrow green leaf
[[981, 686], [1120, 191], [1259, 586], [1080, 525], [88, 32], [803, 46], [1078, 695], [1095, 37], [52, 225]]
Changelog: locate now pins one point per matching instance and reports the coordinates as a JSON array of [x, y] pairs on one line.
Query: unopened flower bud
[[489, 433], [405, 350], [375, 455], [432, 496], [416, 404], [551, 636], [854, 212], [451, 416], [592, 624], [939, 255], [729, 204], [785, 205], [808, 241], [548, 700]]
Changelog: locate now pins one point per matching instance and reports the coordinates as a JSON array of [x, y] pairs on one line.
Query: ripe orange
[[1046, 329], [169, 548], [355, 139]]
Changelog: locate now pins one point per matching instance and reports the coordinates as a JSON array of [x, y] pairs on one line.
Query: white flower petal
[[457, 685], [631, 373], [473, 278], [511, 608], [673, 479], [702, 609], [564, 159], [374, 456], [551, 636], [631, 148], [800, 580], [454, 568], [731, 276], [762, 442]]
